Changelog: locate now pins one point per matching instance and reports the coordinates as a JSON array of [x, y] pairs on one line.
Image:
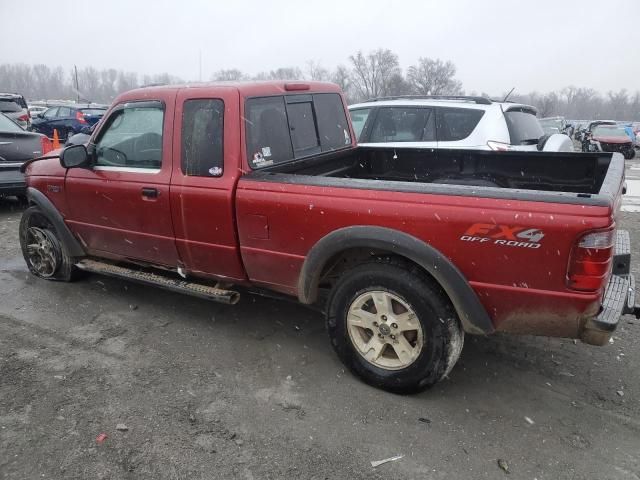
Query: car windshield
[[609, 131], [7, 125], [9, 106], [524, 128]]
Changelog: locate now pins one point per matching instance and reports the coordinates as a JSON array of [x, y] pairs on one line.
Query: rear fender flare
[[73, 247], [472, 314]]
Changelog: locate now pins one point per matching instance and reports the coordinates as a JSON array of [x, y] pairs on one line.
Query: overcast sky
[[495, 44]]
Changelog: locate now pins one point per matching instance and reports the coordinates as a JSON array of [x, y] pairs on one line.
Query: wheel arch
[[471, 312], [70, 243]]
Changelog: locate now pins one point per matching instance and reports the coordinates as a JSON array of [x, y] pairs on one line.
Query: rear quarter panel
[[520, 287]]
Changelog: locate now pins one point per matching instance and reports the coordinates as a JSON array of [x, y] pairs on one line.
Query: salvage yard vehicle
[[14, 106], [261, 185], [608, 136], [453, 121], [67, 119], [16, 147]]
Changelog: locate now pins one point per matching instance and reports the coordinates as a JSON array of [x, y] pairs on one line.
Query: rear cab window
[[288, 127], [524, 127]]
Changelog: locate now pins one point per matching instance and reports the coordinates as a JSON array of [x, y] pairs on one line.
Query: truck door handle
[[150, 192]]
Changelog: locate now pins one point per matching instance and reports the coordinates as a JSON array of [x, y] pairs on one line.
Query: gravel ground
[[254, 391]]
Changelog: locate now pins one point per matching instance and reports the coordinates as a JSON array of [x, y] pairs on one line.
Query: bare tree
[[372, 73], [341, 76], [315, 71], [618, 103], [434, 77], [286, 73], [232, 74]]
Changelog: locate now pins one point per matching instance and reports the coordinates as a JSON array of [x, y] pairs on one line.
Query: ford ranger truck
[[216, 189]]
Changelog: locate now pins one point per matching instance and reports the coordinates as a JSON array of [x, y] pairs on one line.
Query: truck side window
[[268, 139], [132, 138], [279, 129], [202, 138], [332, 121]]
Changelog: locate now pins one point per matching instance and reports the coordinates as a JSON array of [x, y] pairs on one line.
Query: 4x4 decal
[[524, 237]]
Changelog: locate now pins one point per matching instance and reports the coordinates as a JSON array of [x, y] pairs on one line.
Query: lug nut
[[375, 324], [381, 335], [384, 318], [394, 325], [393, 337]]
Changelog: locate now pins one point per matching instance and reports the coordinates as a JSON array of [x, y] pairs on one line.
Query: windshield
[[524, 128], [9, 106], [7, 125], [609, 131]]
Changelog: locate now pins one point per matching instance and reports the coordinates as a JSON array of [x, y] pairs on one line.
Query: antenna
[[77, 87], [508, 94]]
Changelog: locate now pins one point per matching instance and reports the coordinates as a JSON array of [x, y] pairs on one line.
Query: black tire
[[64, 269], [442, 333], [629, 153]]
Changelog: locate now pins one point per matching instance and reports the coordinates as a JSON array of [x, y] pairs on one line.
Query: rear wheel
[[42, 249], [394, 327]]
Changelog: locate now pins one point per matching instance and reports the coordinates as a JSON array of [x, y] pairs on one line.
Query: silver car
[[14, 106]]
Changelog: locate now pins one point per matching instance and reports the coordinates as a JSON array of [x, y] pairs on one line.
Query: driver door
[[120, 206]]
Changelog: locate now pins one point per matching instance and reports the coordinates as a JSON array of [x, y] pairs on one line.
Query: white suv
[[475, 123]]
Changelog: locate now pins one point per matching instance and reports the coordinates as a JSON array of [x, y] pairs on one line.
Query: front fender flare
[[472, 314], [73, 247]]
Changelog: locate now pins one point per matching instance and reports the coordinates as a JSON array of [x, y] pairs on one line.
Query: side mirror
[[74, 156], [40, 115], [87, 130]]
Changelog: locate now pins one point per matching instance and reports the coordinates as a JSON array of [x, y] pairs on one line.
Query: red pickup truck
[[262, 186]]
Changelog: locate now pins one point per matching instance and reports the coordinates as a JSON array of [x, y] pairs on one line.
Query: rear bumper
[[12, 182], [619, 297]]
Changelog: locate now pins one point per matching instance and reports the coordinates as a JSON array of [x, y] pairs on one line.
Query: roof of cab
[[246, 89]]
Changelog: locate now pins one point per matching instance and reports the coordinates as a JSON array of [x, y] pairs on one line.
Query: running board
[[176, 285]]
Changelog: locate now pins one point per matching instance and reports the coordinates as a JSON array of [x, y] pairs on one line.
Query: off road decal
[[523, 237]]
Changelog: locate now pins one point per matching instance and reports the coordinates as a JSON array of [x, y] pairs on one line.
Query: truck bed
[[583, 178]]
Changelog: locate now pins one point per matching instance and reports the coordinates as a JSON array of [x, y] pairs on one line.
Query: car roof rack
[[478, 100]]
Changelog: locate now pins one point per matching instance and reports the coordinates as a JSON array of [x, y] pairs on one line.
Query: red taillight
[[24, 118], [591, 260], [80, 117], [46, 145]]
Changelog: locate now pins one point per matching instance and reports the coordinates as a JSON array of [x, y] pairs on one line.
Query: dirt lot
[[254, 391]]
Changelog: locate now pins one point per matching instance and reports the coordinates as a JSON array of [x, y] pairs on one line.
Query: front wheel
[[394, 327], [42, 249]]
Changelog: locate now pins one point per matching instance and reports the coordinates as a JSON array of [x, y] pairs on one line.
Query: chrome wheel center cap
[[384, 329]]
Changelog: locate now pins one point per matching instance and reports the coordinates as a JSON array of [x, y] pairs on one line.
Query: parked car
[[552, 125], [67, 120], [35, 110], [453, 122], [14, 106], [81, 138], [606, 136], [404, 248], [16, 147]]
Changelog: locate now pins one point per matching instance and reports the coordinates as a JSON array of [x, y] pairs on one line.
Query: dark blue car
[[67, 120]]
